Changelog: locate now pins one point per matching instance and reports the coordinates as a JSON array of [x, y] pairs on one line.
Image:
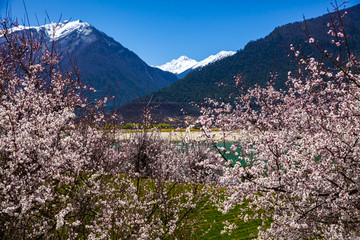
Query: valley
[[260, 142]]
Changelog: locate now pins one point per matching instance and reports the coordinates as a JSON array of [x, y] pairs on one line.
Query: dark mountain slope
[[112, 68]]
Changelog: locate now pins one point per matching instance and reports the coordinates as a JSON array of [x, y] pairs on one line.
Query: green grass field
[[213, 221]]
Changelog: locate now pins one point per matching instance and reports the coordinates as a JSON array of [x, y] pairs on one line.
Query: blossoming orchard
[[65, 174]]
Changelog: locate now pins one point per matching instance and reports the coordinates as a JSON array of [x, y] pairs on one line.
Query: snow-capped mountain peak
[[184, 64], [59, 30], [62, 29], [179, 65], [183, 58]]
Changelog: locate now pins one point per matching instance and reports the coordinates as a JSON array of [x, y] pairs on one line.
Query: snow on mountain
[[56, 31], [179, 65], [184, 64], [214, 58]]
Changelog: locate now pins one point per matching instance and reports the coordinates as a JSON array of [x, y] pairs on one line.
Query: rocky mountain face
[[112, 69]]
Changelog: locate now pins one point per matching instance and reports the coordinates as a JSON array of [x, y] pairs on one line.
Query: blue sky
[[160, 30]]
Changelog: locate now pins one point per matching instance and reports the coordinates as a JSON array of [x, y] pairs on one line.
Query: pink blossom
[[340, 34]]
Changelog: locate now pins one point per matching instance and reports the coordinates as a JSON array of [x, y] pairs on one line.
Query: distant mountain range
[[108, 66], [113, 69], [255, 62], [183, 65]]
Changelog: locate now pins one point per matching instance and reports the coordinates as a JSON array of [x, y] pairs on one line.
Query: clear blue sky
[[161, 30]]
